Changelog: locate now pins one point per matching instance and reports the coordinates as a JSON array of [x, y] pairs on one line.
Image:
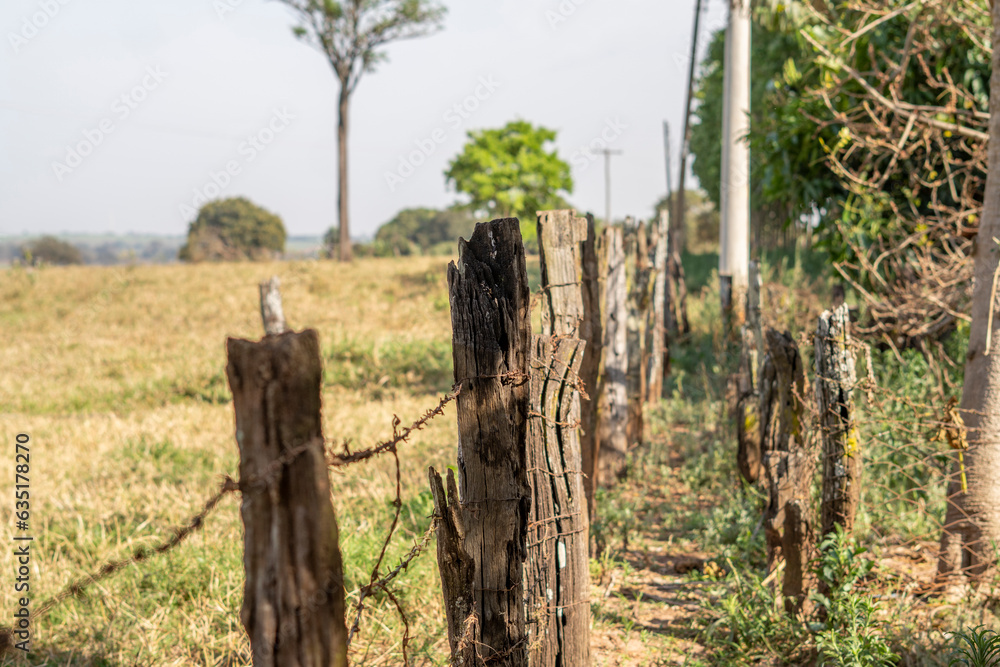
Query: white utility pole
[[607, 152], [734, 230]]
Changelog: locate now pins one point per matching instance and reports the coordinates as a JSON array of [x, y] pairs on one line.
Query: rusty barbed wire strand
[[383, 583], [141, 554], [265, 478]]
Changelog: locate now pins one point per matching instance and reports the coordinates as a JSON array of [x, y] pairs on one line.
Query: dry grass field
[[118, 376]]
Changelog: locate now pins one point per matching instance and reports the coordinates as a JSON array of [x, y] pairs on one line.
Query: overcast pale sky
[[118, 115]]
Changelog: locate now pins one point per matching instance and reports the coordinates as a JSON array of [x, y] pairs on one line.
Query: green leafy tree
[[891, 103], [51, 250], [233, 229], [508, 172], [416, 231], [350, 34], [835, 87]]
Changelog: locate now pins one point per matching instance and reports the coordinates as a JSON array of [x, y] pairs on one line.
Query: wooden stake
[[746, 412], [270, 307], [591, 333], [835, 379], [491, 338], [748, 452], [457, 569], [656, 333], [786, 464], [638, 303], [557, 570], [293, 598], [614, 398]]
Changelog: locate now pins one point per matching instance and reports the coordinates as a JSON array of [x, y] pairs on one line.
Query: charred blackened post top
[[482, 534]]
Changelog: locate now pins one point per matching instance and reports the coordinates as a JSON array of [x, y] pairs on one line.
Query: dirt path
[[651, 597]]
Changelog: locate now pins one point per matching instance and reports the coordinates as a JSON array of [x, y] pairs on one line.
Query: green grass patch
[[419, 366]]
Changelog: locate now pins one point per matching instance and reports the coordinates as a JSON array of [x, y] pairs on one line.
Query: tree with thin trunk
[[351, 34], [972, 521]]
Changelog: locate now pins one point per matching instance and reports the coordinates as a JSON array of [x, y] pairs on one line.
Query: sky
[[123, 116]]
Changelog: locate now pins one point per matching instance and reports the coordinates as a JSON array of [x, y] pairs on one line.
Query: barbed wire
[[267, 476], [912, 448]]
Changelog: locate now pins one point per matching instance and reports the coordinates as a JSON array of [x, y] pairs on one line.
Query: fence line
[[908, 445], [79, 586], [556, 419]]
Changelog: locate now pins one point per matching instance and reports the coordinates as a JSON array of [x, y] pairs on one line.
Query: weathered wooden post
[[591, 332], [293, 598], [560, 234], [748, 452], [557, 569], [638, 302], [656, 332], [786, 465], [270, 307], [754, 317], [488, 523], [746, 408], [458, 569], [835, 379], [614, 397]]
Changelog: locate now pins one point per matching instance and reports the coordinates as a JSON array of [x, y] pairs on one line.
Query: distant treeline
[[413, 231], [111, 251], [61, 251]]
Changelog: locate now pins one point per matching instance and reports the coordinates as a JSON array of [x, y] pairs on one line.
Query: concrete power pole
[[734, 231], [607, 152]]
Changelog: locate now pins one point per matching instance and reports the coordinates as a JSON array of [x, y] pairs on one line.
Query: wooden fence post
[[560, 234], [293, 598], [748, 452], [676, 293], [835, 379], [656, 331], [591, 333], [786, 465], [457, 567], [746, 411], [754, 318], [614, 397], [491, 336], [270, 307], [557, 571], [638, 303]]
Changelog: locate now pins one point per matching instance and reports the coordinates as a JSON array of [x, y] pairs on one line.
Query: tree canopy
[[51, 250], [508, 172], [871, 118], [233, 229], [417, 231], [351, 34]]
